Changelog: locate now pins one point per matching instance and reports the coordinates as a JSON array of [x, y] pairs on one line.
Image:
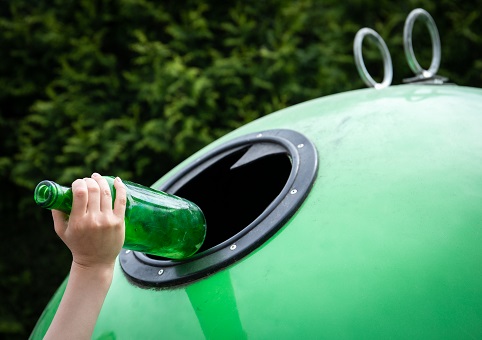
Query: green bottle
[[155, 222]]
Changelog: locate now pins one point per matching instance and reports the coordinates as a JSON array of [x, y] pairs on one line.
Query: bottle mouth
[[45, 193]]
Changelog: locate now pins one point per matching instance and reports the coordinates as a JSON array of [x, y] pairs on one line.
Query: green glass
[[156, 223]]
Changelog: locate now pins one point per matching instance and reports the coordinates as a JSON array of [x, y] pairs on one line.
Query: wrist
[[101, 273]]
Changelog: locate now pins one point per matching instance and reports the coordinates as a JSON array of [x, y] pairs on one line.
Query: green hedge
[[132, 87]]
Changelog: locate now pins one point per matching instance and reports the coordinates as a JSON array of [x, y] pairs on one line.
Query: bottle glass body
[[156, 223]]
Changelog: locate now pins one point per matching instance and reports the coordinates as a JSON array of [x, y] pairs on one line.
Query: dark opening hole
[[233, 198]]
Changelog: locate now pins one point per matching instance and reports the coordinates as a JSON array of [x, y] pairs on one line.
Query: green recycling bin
[[357, 215]]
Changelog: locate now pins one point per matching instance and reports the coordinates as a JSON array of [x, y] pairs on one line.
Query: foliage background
[[132, 87]]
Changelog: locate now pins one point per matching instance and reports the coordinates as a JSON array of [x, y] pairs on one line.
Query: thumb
[[60, 222]]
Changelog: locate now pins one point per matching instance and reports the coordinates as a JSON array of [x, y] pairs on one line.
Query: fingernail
[[118, 179], [95, 174]]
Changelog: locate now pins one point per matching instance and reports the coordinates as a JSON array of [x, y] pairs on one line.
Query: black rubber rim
[[147, 271]]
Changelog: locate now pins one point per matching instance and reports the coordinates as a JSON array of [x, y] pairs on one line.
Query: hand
[[94, 232]]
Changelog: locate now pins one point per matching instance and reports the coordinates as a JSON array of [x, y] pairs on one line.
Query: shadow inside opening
[[233, 198]]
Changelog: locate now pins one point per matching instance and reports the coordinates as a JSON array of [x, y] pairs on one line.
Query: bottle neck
[[50, 195]]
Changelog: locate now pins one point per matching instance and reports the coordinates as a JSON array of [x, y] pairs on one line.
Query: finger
[[93, 203], [80, 198], [60, 222], [120, 198], [105, 194]]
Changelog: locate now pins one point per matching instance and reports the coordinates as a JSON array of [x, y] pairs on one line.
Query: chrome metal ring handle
[[423, 15], [360, 65]]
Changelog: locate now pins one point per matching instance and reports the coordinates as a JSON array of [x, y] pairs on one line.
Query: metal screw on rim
[[422, 14], [360, 65]]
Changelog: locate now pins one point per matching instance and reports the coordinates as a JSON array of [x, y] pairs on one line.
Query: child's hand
[[94, 232]]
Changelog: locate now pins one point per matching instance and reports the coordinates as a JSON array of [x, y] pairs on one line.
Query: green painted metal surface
[[388, 244]]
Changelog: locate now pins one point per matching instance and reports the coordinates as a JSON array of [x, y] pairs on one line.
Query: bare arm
[[94, 233]]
